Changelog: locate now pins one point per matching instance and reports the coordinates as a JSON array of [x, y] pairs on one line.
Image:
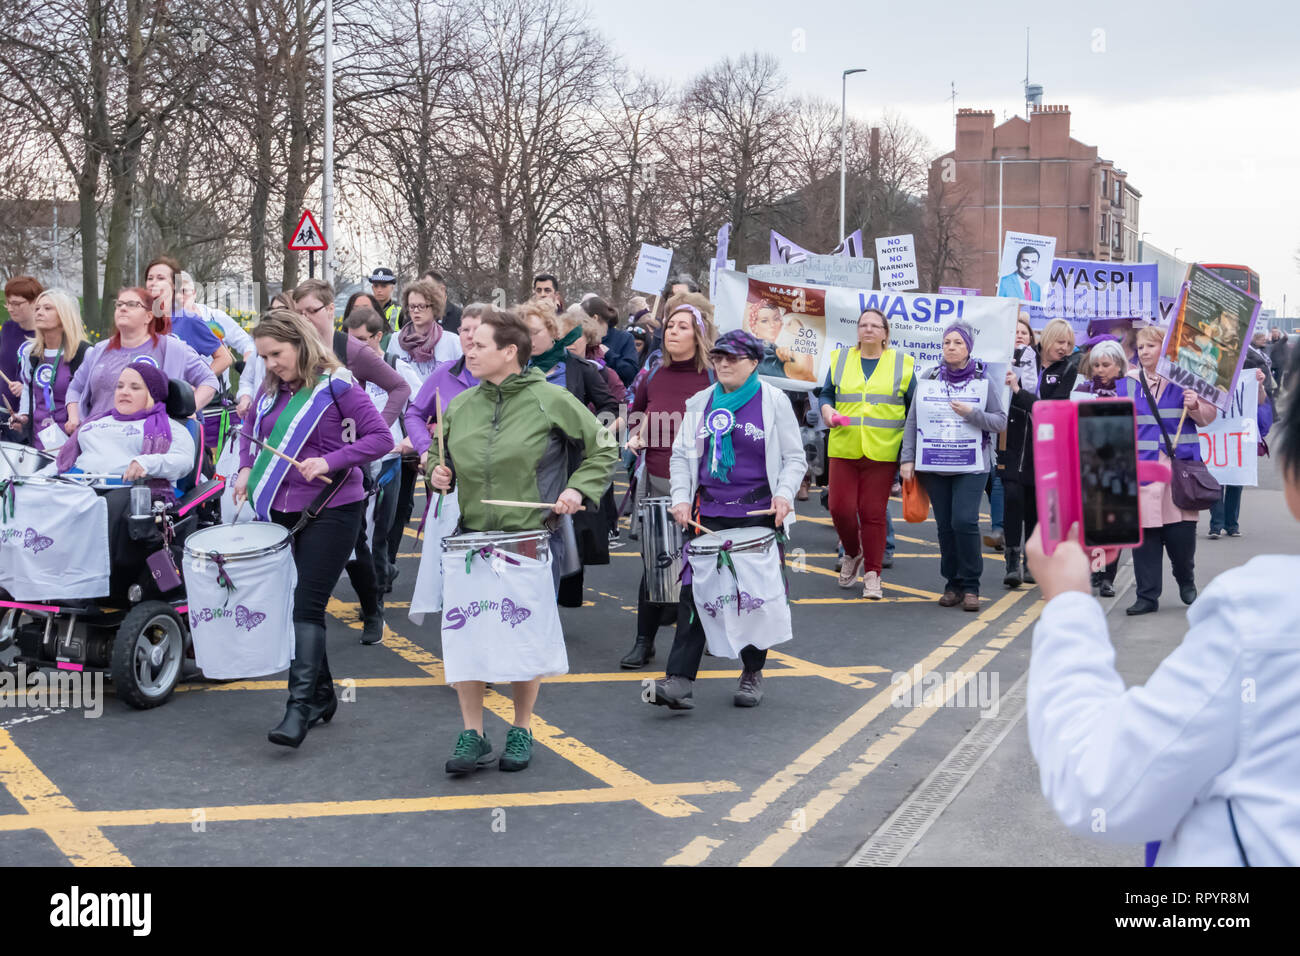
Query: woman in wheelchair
[[137, 440]]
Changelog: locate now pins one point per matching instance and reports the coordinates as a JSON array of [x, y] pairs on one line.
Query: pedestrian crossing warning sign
[[307, 236]]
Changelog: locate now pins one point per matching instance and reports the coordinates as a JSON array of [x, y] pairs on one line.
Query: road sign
[[307, 236]]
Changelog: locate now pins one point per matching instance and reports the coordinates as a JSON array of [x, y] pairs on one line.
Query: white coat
[[1218, 719], [782, 447]]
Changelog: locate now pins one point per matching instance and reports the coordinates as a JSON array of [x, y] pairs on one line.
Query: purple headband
[[684, 307]]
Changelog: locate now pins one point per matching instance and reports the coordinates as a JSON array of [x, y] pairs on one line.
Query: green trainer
[[472, 751], [519, 749]]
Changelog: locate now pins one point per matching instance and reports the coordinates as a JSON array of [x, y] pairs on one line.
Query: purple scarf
[[157, 433], [1101, 389], [420, 345]]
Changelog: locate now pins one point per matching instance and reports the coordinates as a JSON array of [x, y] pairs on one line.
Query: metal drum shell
[[662, 549], [529, 544]]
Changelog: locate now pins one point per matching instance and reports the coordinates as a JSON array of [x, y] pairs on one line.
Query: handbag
[[916, 501], [1191, 485]]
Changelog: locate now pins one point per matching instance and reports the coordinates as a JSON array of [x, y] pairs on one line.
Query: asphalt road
[[802, 779]]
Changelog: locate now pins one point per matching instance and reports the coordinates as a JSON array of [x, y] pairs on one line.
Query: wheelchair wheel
[[147, 655]]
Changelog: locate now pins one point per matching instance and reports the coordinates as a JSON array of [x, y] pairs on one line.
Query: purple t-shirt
[[443, 382], [12, 336], [92, 386], [746, 487], [42, 413]]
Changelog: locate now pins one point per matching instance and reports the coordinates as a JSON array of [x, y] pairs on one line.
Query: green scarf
[[551, 357], [723, 456]]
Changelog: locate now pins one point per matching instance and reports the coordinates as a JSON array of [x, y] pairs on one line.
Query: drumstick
[[8, 401], [698, 527], [500, 503], [279, 454], [437, 404], [764, 511]]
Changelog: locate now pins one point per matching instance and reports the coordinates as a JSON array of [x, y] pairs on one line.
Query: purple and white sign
[[944, 440], [1081, 290]]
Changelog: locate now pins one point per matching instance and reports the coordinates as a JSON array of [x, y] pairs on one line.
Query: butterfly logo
[[513, 613], [247, 619], [37, 542], [748, 603]]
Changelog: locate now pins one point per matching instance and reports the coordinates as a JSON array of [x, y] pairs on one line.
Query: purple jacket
[[373, 441], [92, 386], [449, 379], [367, 365]]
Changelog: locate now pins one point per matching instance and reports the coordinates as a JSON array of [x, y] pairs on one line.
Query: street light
[[1142, 244], [844, 92]]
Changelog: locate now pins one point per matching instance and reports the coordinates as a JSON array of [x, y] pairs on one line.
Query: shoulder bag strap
[[1155, 412], [1232, 821]]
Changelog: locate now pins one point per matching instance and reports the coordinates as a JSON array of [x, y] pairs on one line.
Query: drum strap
[[326, 495]]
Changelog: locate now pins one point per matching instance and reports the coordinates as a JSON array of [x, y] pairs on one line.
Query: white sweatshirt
[[108, 446]]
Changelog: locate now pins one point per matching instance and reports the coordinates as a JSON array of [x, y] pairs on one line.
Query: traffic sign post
[[308, 238]]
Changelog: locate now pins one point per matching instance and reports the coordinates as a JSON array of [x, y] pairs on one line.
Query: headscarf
[[420, 345], [157, 428], [968, 371]]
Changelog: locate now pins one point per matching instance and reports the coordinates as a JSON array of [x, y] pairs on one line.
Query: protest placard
[[653, 267], [829, 320], [1024, 260], [1230, 443], [842, 271], [944, 440], [1206, 341], [897, 257], [1080, 290], [957, 290], [787, 250]]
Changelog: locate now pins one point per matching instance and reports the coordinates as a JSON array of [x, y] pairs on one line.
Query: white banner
[[897, 257], [851, 273], [1230, 443], [802, 325]]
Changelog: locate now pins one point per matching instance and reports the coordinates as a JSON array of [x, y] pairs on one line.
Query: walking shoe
[[970, 602], [850, 568], [675, 692], [895, 489], [372, 631], [950, 599], [1213, 535], [1107, 590], [1141, 607], [518, 750], [1234, 534], [997, 540], [472, 751], [749, 691], [1028, 578], [871, 586], [1012, 579], [802, 493], [887, 560], [643, 651], [1187, 592]]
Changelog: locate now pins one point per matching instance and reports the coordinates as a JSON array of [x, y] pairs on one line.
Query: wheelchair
[[139, 634]]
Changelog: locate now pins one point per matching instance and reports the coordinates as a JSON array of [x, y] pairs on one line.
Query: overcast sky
[[1199, 102]]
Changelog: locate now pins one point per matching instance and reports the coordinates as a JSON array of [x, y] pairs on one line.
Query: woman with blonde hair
[[312, 411], [46, 364], [658, 407]]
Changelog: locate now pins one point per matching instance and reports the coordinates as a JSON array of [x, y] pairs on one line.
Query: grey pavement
[[1000, 818]]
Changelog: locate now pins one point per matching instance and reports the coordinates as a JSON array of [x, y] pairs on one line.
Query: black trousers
[[688, 643], [405, 504], [1020, 510], [1179, 540], [320, 553], [385, 519]]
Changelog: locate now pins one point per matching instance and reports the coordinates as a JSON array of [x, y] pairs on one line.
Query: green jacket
[[514, 441]]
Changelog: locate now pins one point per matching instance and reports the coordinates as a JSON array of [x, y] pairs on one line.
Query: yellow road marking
[[544, 733], [815, 810], [835, 674], [62, 820], [694, 853], [812, 758], [80, 842], [931, 595], [861, 600]]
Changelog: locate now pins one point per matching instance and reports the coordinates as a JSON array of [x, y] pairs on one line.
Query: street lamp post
[[844, 93], [327, 186], [135, 214], [1142, 244]]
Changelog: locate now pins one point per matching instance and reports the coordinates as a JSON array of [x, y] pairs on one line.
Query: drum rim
[[280, 545], [25, 451], [756, 543], [489, 537]]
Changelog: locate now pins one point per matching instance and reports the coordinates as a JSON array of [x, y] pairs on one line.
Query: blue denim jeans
[[996, 500], [1226, 512]]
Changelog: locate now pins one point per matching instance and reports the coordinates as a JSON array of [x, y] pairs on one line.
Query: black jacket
[[1016, 461]]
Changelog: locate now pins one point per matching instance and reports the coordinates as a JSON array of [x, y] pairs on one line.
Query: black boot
[[324, 702], [304, 671], [372, 631], [1012, 556], [643, 651]]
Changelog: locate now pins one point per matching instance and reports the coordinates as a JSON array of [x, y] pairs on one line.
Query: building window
[[1118, 240], [1101, 238], [1119, 195]]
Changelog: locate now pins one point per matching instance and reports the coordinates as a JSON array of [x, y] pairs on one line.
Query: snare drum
[[239, 582], [500, 621], [24, 461], [661, 550], [740, 596]]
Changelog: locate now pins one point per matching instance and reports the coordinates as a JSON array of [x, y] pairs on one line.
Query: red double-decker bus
[[1243, 277]]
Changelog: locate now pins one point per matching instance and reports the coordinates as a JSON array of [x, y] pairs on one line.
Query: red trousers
[[859, 497]]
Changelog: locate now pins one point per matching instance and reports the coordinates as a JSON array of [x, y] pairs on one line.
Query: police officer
[[382, 283]]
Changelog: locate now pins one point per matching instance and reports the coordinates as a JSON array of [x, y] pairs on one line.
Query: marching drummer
[[311, 411], [739, 450], [511, 435]]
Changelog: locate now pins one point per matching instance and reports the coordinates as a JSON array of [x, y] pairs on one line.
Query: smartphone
[[1108, 474]]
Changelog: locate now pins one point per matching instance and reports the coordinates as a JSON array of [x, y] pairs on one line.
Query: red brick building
[[1051, 185]]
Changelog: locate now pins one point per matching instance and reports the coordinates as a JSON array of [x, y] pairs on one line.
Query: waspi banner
[[802, 325]]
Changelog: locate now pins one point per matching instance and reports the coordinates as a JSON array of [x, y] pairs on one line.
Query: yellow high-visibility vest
[[875, 408]]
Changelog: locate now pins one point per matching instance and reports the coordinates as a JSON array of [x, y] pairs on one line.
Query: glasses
[[308, 310], [726, 358], [128, 304], [420, 308], [871, 328], [15, 303]]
